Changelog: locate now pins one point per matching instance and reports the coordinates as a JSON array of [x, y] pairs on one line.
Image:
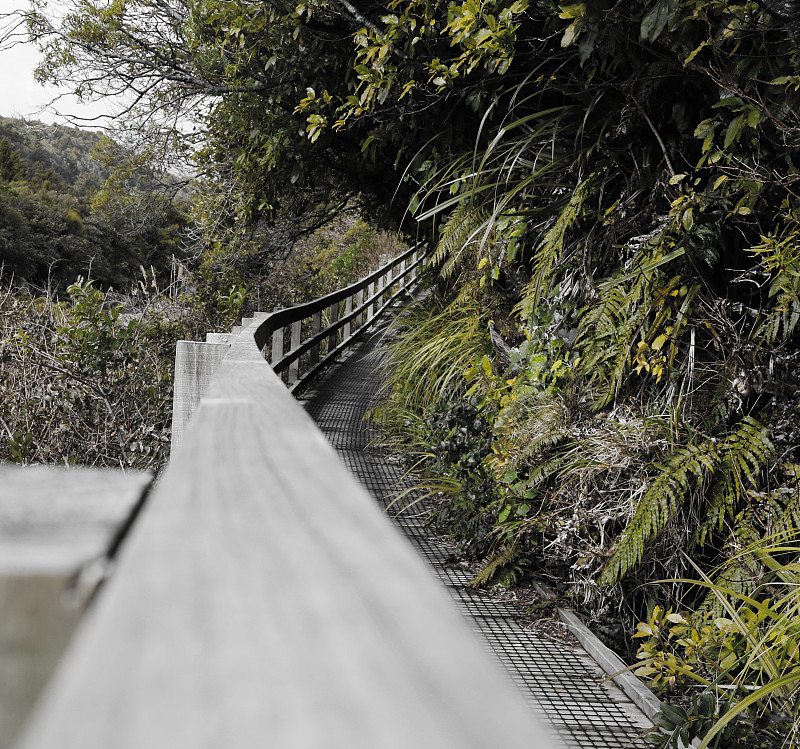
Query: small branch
[[655, 132]]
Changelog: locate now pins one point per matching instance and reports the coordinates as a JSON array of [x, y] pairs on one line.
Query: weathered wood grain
[[54, 520], [195, 364], [57, 527], [37, 619], [264, 601]]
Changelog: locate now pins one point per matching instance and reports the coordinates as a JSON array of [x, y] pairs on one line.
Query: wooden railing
[[316, 333], [262, 600], [349, 312]]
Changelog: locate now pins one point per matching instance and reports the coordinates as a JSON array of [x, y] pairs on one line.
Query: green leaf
[[734, 131], [696, 51], [572, 11], [655, 21], [674, 714], [571, 32]]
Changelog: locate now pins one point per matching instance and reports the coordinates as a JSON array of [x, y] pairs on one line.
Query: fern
[[551, 247], [780, 258], [780, 323], [742, 454], [607, 334], [500, 568], [789, 519], [683, 472], [722, 500], [458, 235], [725, 467]]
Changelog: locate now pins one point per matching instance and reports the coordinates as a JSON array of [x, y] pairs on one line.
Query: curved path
[[562, 682]]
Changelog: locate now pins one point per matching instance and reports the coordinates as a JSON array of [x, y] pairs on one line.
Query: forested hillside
[[603, 387], [56, 221]]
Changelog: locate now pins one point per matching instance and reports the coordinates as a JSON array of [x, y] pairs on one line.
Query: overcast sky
[[21, 96]]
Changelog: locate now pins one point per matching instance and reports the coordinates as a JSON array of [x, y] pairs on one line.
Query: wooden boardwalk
[[561, 681], [259, 596], [262, 598]]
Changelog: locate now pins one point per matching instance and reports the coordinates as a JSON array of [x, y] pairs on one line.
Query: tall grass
[[435, 342]]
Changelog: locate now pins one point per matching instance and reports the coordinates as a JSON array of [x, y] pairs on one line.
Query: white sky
[[21, 96]]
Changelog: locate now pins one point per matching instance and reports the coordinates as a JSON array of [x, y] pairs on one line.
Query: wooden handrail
[[398, 284], [264, 600]]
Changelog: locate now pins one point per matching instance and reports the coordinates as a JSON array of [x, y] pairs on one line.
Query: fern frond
[[788, 521], [495, 567], [725, 494], [780, 323], [551, 247], [458, 237], [729, 467], [744, 453], [684, 472], [609, 331]]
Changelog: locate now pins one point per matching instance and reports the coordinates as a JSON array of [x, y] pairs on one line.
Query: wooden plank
[[333, 316], [359, 321], [54, 520], [195, 364], [57, 527], [264, 601], [294, 367], [277, 345], [37, 621], [371, 308], [348, 308], [316, 326]]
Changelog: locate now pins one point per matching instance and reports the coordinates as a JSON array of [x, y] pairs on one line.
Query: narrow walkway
[[561, 681]]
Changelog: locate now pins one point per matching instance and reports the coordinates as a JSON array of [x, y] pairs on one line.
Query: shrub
[[81, 385]]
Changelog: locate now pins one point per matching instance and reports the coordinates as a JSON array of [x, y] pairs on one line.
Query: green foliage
[[12, 167], [74, 223], [80, 385], [438, 340], [715, 472], [52, 225], [458, 238], [746, 655], [459, 438]]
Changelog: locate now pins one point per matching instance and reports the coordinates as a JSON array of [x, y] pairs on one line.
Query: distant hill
[[53, 224], [64, 151]]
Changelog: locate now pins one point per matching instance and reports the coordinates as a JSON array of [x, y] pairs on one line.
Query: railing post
[[382, 281], [333, 316], [277, 343], [195, 365], [294, 367], [316, 326], [359, 320], [348, 308], [371, 308], [400, 271]]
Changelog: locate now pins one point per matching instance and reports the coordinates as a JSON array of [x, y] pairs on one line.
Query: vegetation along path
[[560, 679]]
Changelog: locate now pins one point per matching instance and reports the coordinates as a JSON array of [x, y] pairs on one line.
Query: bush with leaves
[[83, 384], [740, 651]]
